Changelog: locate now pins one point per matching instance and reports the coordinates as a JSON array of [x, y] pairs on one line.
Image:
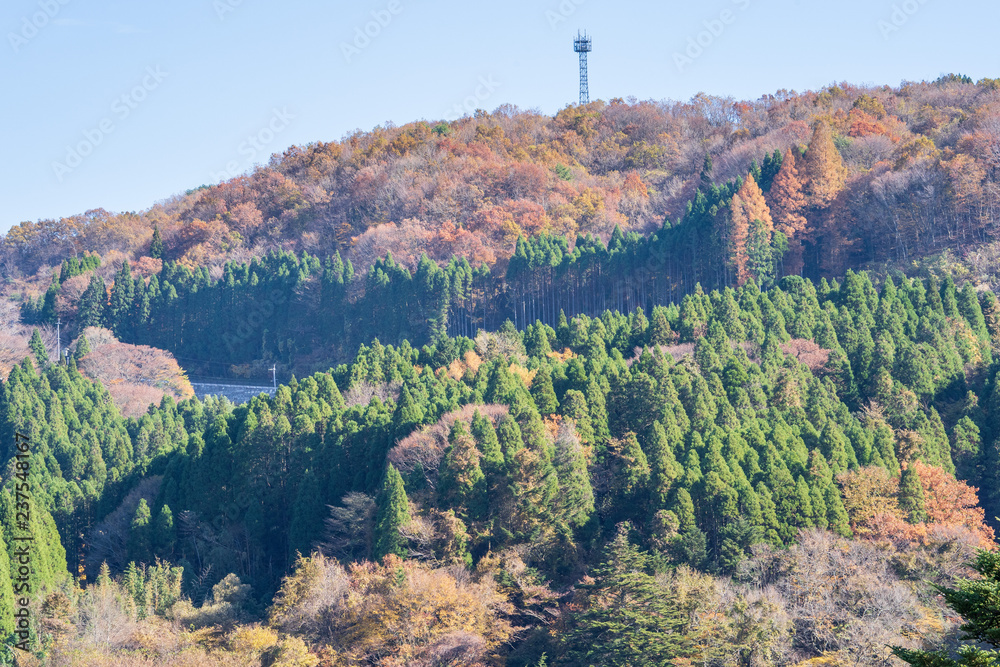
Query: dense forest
[[533, 491], [706, 383], [515, 215]]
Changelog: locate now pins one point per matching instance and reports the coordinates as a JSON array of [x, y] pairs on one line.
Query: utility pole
[[58, 339]]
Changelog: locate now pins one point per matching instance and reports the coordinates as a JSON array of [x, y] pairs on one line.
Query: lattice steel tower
[[582, 46]]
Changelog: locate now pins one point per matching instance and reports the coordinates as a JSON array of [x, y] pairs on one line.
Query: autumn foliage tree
[[787, 203], [824, 167], [750, 230]]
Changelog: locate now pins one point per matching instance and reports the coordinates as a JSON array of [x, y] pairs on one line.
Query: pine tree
[[632, 478], [968, 305], [626, 620], [392, 513], [659, 330], [706, 174], [38, 347], [542, 391], [576, 496], [82, 348], [164, 532], [510, 438], [92, 303], [966, 447], [118, 316], [574, 406], [978, 602], [308, 514], [156, 246], [462, 484], [836, 515], [664, 469], [139, 539], [763, 254], [492, 461], [690, 544], [597, 403], [991, 317], [911, 495], [408, 413]]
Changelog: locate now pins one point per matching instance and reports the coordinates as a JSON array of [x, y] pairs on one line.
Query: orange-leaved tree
[[787, 202], [749, 209]]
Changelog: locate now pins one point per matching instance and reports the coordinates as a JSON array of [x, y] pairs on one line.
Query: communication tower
[[583, 46]]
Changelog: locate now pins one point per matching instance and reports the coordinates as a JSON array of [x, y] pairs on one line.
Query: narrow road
[[237, 393]]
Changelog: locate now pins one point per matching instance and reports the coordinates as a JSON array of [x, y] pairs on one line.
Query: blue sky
[[120, 104]]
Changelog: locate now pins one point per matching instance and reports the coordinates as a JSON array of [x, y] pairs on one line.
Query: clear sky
[[119, 104]]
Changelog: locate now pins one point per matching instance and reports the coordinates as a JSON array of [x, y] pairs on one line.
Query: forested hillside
[[893, 173], [684, 479], [604, 388], [516, 215]]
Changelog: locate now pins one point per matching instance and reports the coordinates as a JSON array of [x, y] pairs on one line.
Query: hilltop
[[914, 172]]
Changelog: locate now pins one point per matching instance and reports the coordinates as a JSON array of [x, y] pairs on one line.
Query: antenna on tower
[[583, 46]]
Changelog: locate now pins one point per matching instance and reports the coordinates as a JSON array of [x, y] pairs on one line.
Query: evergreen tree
[[542, 391], [38, 347], [408, 413], [509, 437], [392, 513], [690, 545], [627, 619], [597, 404], [156, 246], [706, 174], [659, 330], [462, 484], [911, 495], [836, 515], [139, 539], [492, 461], [82, 348], [164, 532], [664, 466], [576, 496], [118, 315], [978, 602], [574, 406], [92, 302], [632, 477], [307, 516]]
